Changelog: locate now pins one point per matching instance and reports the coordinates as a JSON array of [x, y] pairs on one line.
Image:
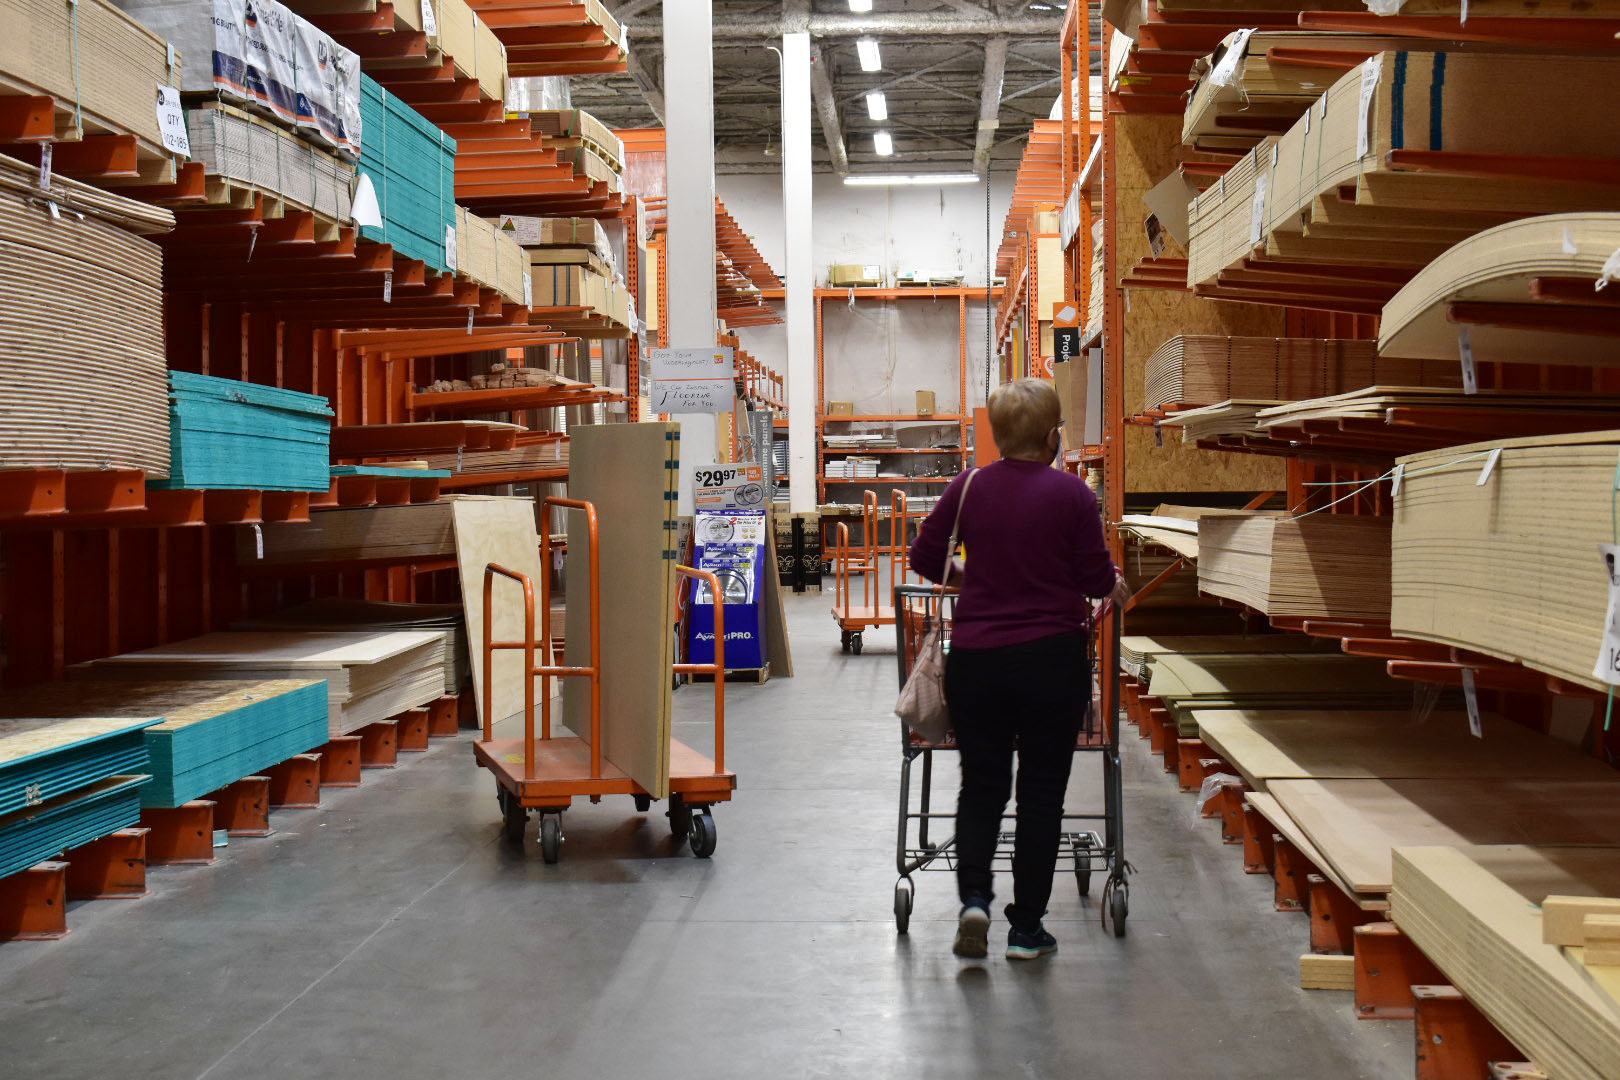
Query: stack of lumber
[[1137, 653], [79, 286], [346, 613], [243, 153], [1230, 417], [36, 833], [1508, 267], [1329, 566], [1180, 535], [42, 757], [1474, 912], [229, 434], [361, 534], [500, 376], [1374, 402], [588, 257], [370, 677], [1205, 368], [584, 37], [98, 64], [1188, 684], [260, 55], [538, 459], [1283, 198], [568, 128], [412, 166], [489, 256], [466, 40], [578, 287], [1510, 567], [199, 735]]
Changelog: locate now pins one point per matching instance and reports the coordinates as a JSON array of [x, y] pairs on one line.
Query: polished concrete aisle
[[393, 935]]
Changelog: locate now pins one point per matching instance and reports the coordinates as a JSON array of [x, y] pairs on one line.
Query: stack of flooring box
[[368, 534], [1474, 911], [1202, 369], [490, 256], [243, 152], [199, 735], [412, 166], [1283, 199], [66, 782], [1503, 266], [229, 434], [369, 677], [1329, 566], [342, 613], [1190, 683], [1510, 567], [78, 286]]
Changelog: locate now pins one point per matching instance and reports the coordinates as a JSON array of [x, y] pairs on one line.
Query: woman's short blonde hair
[[1022, 416]]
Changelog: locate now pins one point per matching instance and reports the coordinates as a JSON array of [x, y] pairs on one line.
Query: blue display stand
[[731, 545]]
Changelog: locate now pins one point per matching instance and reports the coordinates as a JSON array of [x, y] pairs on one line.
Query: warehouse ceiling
[[946, 64]]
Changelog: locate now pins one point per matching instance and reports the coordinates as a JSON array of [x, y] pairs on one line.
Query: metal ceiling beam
[[995, 69], [834, 26], [646, 84], [827, 110]]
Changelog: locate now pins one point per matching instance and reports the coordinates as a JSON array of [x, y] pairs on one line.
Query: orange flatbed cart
[[546, 773], [866, 561]]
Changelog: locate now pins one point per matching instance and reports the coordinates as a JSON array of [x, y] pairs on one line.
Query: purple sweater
[[1035, 552]]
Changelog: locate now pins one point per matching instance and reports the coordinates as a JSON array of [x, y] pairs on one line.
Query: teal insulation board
[[197, 735], [37, 833], [229, 434], [43, 757], [412, 166]]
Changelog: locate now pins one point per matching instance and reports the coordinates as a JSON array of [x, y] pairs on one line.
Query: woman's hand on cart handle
[[1121, 592]]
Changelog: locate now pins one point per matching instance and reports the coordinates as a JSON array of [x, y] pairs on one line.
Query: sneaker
[[1030, 944], [972, 933]]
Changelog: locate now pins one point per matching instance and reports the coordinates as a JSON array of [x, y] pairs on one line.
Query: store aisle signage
[[692, 380], [719, 487]]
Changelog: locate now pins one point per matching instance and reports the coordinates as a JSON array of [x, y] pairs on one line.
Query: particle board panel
[[1299, 744], [630, 473], [1147, 148], [501, 531], [1358, 824]]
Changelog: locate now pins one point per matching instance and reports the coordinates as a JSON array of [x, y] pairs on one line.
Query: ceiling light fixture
[[882, 143], [877, 105], [860, 5], [867, 49], [922, 180]]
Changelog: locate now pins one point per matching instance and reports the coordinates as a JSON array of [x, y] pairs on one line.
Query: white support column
[[689, 157], [804, 463]]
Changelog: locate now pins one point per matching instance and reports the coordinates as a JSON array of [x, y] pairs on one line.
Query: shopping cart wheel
[[904, 894], [551, 837], [1082, 865], [643, 803], [703, 835], [513, 817], [1116, 907], [680, 821], [855, 643]]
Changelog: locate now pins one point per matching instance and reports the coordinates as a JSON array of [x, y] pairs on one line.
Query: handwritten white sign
[[692, 380]]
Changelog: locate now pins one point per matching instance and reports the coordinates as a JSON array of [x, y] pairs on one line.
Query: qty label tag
[[1471, 700], [171, 119], [1608, 661]]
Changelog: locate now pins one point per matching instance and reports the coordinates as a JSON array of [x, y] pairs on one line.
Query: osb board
[[1147, 148], [630, 474], [490, 530]]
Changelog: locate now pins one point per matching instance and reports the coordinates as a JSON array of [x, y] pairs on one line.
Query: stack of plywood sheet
[[243, 153], [199, 735], [412, 166], [1498, 553], [489, 255], [1328, 566], [1230, 417], [229, 434], [1283, 199], [43, 757], [79, 285], [1180, 535], [1475, 912], [345, 613], [369, 677], [1190, 683], [1504, 266], [1374, 402], [464, 38], [39, 832], [537, 459], [1137, 653], [1205, 368], [370, 534]]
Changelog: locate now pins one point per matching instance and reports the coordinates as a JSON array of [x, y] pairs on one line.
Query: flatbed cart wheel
[[551, 838], [1082, 865], [904, 894], [514, 818], [704, 836], [855, 643], [680, 822], [843, 642], [1116, 907], [643, 803]]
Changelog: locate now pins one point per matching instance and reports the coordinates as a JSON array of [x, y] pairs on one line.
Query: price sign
[[716, 487]]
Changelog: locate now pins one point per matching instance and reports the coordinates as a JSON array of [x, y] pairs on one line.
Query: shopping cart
[[1082, 849]]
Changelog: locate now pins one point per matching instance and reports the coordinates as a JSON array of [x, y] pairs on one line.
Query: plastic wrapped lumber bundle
[[241, 150], [1206, 368], [1327, 566], [412, 166], [199, 735], [79, 286], [229, 434], [259, 54], [36, 833]]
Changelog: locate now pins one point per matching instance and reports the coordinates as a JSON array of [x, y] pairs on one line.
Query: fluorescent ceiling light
[[877, 105], [860, 5], [871, 59], [923, 179], [882, 143]]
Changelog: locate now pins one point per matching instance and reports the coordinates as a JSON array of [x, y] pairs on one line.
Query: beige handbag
[[922, 704]]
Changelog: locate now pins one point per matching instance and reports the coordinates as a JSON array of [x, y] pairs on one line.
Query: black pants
[[1032, 698]]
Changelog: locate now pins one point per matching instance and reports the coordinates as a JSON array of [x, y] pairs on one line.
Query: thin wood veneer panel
[[1357, 824], [630, 473], [1291, 744], [1321, 565], [500, 531]]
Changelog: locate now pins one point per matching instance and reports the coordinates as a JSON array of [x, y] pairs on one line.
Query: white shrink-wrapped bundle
[[262, 55]]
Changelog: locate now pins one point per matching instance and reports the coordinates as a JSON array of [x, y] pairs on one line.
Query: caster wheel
[[679, 819], [514, 819], [1116, 908], [1082, 867], [703, 835], [904, 894], [855, 644], [643, 803], [551, 838], [843, 642]]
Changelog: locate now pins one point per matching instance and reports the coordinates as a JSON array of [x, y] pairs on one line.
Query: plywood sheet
[[1268, 808], [500, 531], [630, 473]]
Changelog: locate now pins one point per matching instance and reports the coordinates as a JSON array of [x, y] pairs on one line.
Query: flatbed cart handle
[[718, 668]]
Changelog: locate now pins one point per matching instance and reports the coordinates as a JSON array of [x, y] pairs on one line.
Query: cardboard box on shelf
[[925, 403], [842, 274], [840, 408]]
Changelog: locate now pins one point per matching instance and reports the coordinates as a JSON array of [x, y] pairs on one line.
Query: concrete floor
[[392, 934]]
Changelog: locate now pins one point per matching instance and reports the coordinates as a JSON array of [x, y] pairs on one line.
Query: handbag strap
[[956, 525]]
